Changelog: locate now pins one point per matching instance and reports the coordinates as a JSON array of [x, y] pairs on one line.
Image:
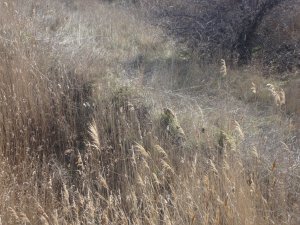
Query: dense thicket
[[238, 30]]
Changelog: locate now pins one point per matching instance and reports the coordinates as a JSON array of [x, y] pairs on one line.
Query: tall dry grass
[[81, 146]]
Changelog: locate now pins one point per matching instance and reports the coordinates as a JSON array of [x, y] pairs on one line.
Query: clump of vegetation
[[170, 123]]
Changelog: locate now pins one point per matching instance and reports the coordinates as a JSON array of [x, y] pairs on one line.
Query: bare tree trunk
[[244, 42]]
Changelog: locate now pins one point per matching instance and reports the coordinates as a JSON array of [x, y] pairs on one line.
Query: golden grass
[[80, 144]]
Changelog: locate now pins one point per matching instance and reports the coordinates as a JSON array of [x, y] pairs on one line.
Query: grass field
[[105, 119]]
